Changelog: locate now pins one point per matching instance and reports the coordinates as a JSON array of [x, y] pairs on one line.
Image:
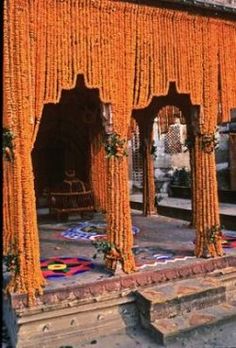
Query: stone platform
[[180, 208], [95, 303], [106, 306]]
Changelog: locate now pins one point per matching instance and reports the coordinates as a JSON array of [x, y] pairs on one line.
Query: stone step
[[227, 270], [230, 282], [227, 277], [223, 272], [166, 331], [175, 298]]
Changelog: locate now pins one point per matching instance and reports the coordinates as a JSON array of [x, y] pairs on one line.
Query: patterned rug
[[63, 267], [88, 230], [153, 256], [229, 239]]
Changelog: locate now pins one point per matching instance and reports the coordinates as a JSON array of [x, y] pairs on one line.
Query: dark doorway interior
[[63, 140]]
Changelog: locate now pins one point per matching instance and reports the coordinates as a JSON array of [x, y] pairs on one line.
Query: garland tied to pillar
[[12, 260], [106, 248], [209, 142], [213, 232], [111, 253], [7, 144], [115, 146]]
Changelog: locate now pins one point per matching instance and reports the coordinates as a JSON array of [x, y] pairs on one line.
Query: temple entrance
[[159, 146], [169, 152], [63, 143]]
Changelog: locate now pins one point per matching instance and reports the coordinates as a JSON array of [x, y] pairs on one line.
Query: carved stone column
[[205, 195]]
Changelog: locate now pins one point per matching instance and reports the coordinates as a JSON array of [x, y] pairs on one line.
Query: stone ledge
[[122, 284], [194, 322], [54, 328]]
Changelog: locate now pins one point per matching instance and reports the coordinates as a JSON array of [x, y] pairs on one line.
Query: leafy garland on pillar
[[213, 232], [7, 144], [115, 146], [12, 260], [110, 252], [209, 142]]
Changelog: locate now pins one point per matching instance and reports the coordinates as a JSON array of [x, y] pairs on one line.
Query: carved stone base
[[53, 326]]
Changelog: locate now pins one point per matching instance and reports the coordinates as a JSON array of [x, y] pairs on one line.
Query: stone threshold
[[117, 285], [228, 221]]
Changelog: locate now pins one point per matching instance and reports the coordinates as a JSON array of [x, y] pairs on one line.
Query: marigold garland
[[146, 140], [98, 173], [206, 215], [130, 52]]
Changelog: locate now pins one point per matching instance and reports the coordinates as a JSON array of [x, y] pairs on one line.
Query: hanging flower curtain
[[129, 52]]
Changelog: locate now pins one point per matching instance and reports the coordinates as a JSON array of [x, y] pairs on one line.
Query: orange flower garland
[[130, 52], [206, 213], [146, 141], [98, 169]]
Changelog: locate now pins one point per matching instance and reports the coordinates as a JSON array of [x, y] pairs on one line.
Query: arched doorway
[[166, 109], [65, 139]]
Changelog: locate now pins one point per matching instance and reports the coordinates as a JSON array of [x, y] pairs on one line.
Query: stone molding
[[122, 285]]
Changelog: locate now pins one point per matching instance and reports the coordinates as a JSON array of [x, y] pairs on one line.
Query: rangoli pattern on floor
[[63, 267], [87, 230], [154, 256]]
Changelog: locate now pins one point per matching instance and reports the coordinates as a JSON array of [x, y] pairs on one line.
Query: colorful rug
[[88, 230], [153, 256], [63, 267], [229, 239]]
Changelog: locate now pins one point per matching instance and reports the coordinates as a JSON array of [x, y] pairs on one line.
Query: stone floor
[[165, 234], [225, 208], [157, 233]]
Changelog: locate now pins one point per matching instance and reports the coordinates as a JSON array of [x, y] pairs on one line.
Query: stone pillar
[[190, 145], [193, 202], [146, 140], [98, 170], [205, 195], [119, 213], [119, 231]]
